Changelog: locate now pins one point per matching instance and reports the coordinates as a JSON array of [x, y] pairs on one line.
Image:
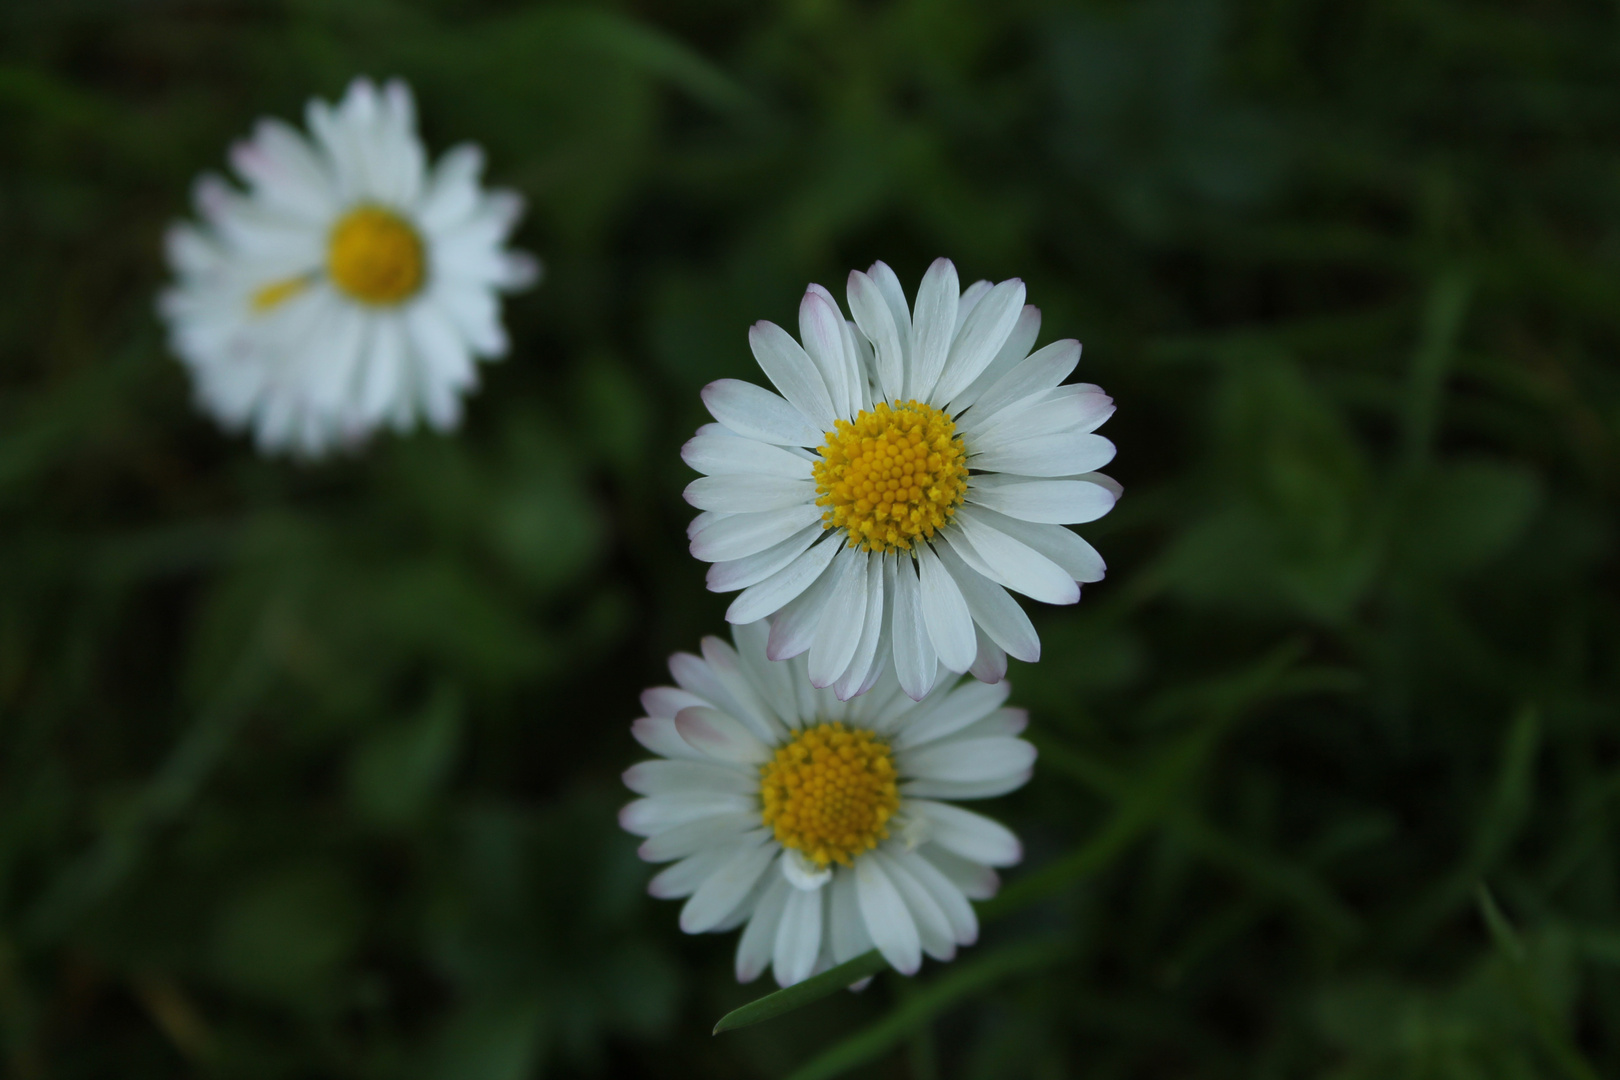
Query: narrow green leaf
[[1549, 1027], [1443, 319], [928, 1002], [801, 994]]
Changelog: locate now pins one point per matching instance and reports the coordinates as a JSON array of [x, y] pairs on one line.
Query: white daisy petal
[[945, 613], [1066, 410], [964, 924], [774, 681], [718, 735], [724, 455], [965, 760], [1016, 349], [657, 813], [1055, 502], [702, 521], [798, 938], [915, 660], [739, 494], [934, 932], [727, 886], [758, 940], [888, 920], [1077, 558], [877, 666], [452, 193], [976, 880], [741, 697], [755, 413], [965, 705], [784, 586], [695, 836], [1045, 455], [894, 295], [969, 835], [698, 677], [1106, 481], [994, 612], [821, 328], [1000, 722], [281, 167], [983, 334], [658, 734], [664, 702], [853, 679], [861, 360], [991, 664], [680, 777], [792, 372], [321, 305], [683, 878], [1016, 565], [753, 569], [965, 789], [741, 535], [1039, 372], [848, 928], [970, 300], [839, 633], [876, 320], [933, 325], [793, 629]]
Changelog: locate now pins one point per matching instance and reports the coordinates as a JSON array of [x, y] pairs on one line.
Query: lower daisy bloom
[[918, 463], [350, 285], [824, 828]]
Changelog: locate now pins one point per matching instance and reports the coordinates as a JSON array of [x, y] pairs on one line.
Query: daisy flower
[[822, 828], [350, 285], [916, 464]]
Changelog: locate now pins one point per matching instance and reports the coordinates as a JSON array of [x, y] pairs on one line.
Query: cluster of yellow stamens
[[830, 792], [375, 256], [895, 474]]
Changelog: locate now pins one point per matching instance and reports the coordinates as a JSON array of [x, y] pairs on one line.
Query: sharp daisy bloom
[[916, 464], [821, 827], [350, 286]]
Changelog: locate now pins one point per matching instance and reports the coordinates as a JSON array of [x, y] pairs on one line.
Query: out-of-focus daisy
[[823, 828], [350, 285], [917, 463]]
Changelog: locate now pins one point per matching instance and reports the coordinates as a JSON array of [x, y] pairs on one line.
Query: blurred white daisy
[[350, 285], [823, 828], [917, 464]]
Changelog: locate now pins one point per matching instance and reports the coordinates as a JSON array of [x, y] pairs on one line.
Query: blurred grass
[[312, 771]]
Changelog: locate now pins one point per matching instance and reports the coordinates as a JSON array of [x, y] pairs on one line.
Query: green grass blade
[[965, 980], [1549, 1027], [802, 994]]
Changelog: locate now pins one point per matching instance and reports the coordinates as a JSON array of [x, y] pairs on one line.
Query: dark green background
[[311, 771]]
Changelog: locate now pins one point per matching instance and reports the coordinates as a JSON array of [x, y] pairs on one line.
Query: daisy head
[[349, 285], [917, 463], [823, 828]]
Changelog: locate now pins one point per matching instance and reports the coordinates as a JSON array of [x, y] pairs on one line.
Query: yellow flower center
[[896, 473], [829, 792], [375, 256]]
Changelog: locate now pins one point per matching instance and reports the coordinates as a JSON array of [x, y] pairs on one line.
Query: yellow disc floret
[[893, 476], [830, 792], [375, 256]]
